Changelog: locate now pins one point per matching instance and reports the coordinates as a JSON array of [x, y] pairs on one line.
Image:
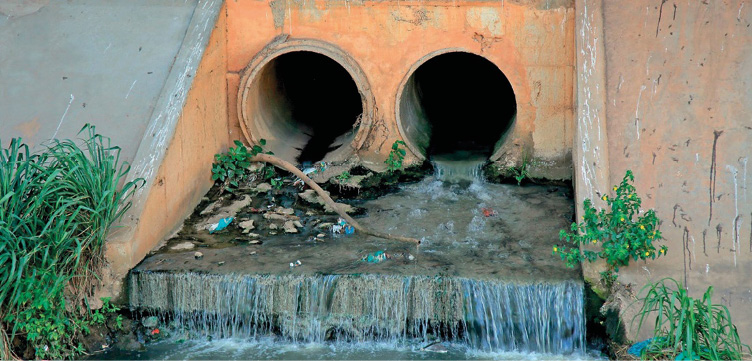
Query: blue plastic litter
[[637, 349], [376, 257], [222, 224], [349, 229]]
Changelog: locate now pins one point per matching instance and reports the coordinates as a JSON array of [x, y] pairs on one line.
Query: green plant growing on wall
[[396, 156], [231, 168], [688, 328], [622, 232]]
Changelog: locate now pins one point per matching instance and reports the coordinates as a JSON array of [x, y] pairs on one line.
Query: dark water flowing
[[372, 316]]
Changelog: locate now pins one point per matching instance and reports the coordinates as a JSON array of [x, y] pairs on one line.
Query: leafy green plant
[[688, 328], [622, 232], [519, 173], [396, 156], [344, 177], [231, 168], [56, 209]]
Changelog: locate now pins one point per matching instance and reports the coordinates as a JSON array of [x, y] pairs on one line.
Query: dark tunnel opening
[[309, 103], [457, 102]]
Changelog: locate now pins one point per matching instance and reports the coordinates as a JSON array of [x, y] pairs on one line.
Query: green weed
[[622, 232], [688, 328], [344, 177], [231, 168], [56, 210], [396, 156]]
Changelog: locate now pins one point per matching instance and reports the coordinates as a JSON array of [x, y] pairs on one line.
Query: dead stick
[[266, 158]]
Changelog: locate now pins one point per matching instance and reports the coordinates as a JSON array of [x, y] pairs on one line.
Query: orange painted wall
[[185, 174], [532, 42]]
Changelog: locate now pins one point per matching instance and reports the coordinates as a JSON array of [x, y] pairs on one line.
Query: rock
[[210, 208], [198, 255], [183, 246], [437, 347], [273, 226], [325, 225], [285, 211], [263, 187], [619, 314], [310, 213], [150, 322], [255, 241], [297, 224], [275, 216], [320, 235], [254, 235], [220, 263], [310, 196], [255, 167], [247, 226], [290, 227], [410, 257]]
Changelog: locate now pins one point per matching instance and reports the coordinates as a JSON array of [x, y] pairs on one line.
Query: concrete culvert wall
[[455, 102], [305, 104]]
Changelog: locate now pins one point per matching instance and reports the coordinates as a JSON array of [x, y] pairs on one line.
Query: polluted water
[[485, 289]]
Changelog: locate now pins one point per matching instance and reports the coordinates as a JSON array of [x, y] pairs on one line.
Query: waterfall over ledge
[[485, 315]]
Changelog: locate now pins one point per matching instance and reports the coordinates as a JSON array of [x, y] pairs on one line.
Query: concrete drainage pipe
[[455, 102], [308, 99]]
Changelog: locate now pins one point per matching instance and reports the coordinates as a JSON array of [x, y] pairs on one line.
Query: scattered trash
[[150, 322], [252, 253], [488, 212], [637, 349], [342, 227], [320, 235], [407, 256], [410, 257], [295, 264], [155, 331], [376, 257], [220, 263], [222, 224], [198, 255]]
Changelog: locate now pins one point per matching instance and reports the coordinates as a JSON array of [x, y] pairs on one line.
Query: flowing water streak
[[455, 171], [485, 315]]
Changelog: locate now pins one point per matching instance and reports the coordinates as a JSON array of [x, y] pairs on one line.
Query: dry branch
[[327, 199]]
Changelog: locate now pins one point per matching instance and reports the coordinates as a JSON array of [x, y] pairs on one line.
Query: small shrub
[[396, 156], [231, 168], [688, 328], [622, 232], [521, 172]]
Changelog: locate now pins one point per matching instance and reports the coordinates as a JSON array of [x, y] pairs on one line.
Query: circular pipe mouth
[[308, 104], [455, 103]]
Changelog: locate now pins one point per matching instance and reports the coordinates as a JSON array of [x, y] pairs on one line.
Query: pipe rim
[[403, 83], [276, 48]]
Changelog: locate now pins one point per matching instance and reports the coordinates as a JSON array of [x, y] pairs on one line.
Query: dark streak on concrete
[[653, 158], [673, 219], [713, 172], [718, 230], [660, 14], [685, 244], [735, 240], [674, 12], [704, 235]]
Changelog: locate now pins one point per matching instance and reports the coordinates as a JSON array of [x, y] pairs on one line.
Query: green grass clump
[[56, 209], [687, 328]]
